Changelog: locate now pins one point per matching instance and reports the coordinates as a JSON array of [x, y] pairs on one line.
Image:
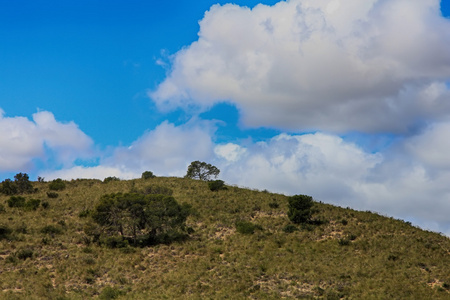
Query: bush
[[24, 253], [8, 187], [5, 231], [23, 183], [290, 228], [114, 242], [57, 185], [45, 204], [143, 219], [84, 213], [110, 293], [2, 208], [32, 204], [51, 229], [147, 175], [16, 201], [111, 178], [274, 205], [300, 208], [52, 195], [216, 185], [245, 227]]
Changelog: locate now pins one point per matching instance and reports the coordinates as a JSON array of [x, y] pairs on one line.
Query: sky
[[346, 101]]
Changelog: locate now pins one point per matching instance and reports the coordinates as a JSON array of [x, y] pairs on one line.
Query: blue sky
[[348, 101]]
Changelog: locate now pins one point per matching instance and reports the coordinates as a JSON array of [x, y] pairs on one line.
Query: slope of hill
[[347, 254]]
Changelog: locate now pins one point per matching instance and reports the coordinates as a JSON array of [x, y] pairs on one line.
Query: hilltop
[[46, 251]]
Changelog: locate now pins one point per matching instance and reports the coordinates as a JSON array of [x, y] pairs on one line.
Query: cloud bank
[[22, 141], [402, 180], [370, 66]]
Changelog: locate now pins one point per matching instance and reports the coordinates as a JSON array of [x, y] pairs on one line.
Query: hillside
[[347, 254]]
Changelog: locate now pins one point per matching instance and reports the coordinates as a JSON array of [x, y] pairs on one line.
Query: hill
[[46, 251]]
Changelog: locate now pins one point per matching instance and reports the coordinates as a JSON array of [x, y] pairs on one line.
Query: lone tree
[[202, 171], [300, 208]]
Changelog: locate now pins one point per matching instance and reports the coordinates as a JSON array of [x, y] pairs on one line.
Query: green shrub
[[110, 293], [114, 242], [147, 175], [25, 253], [216, 185], [84, 213], [8, 187], [45, 204], [52, 195], [5, 231], [246, 227], [32, 204], [290, 228], [144, 219], [300, 208], [111, 178], [57, 185], [344, 242], [23, 183], [51, 229], [2, 208], [274, 205], [16, 201]]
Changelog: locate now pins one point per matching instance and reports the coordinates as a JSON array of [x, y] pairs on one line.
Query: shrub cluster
[[246, 227], [111, 178], [143, 219], [300, 208], [20, 185], [57, 185], [216, 185], [147, 175]]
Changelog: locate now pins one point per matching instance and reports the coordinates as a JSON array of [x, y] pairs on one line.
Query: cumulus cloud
[[22, 141], [395, 182], [166, 150], [318, 64], [407, 180]]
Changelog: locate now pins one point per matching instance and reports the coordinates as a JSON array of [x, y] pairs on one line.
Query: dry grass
[[352, 255]]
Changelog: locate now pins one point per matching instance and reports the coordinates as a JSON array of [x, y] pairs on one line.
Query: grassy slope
[[370, 257]]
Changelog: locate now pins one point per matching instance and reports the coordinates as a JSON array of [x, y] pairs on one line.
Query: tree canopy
[[202, 170], [140, 217]]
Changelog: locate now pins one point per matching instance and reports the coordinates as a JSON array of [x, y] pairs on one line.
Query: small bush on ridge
[[57, 185], [147, 175], [216, 185]]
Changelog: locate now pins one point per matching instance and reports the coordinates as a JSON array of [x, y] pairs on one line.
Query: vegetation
[[20, 185], [216, 185], [147, 175], [57, 185], [202, 171], [239, 244], [144, 218], [300, 208]]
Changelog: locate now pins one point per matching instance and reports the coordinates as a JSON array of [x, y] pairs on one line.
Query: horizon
[[346, 102]]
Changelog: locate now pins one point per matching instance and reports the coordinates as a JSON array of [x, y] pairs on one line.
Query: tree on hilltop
[[202, 171]]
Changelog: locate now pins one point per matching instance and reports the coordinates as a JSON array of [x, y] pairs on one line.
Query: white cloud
[[230, 152], [22, 141], [318, 64], [168, 149], [402, 181], [393, 182]]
